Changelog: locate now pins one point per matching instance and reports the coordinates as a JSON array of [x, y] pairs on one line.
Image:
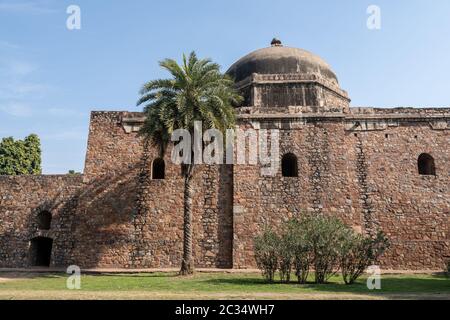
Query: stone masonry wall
[[115, 215], [361, 167], [368, 176], [322, 185], [22, 198], [412, 209]]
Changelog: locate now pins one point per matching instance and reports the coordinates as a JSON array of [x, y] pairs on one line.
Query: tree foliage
[[20, 157], [196, 91]]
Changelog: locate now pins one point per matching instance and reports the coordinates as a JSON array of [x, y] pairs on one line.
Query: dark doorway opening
[[289, 165], [41, 251], [44, 220], [158, 169], [426, 165]]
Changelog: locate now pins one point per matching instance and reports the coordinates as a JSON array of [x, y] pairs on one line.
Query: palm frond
[[196, 91]]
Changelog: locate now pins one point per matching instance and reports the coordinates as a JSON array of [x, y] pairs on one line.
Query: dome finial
[[276, 43]]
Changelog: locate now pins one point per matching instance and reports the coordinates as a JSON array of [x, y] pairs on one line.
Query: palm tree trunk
[[187, 265]]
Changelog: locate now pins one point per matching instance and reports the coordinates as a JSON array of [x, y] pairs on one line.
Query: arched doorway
[[41, 251]]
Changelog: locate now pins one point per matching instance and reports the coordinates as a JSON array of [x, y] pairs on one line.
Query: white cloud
[[9, 45], [18, 90], [25, 7], [15, 90], [64, 112], [72, 134], [21, 68], [16, 109], [16, 68], [14, 84]]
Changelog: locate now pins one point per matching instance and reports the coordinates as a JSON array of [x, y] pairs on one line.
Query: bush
[[324, 243], [358, 253], [301, 250], [325, 236], [266, 253], [285, 257]]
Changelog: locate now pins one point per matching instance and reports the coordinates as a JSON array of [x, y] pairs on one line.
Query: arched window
[[44, 220], [158, 169], [289, 166], [426, 165]]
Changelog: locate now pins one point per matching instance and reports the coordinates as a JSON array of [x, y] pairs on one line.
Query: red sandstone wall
[[110, 150], [116, 216], [368, 180], [21, 199], [322, 186], [412, 209], [126, 219]]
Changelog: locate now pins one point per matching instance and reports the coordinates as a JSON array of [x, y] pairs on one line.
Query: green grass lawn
[[213, 285]]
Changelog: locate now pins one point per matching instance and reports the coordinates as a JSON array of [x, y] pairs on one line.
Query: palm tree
[[196, 91]]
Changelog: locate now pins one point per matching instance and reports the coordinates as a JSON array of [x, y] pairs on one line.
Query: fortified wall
[[362, 167], [376, 169], [115, 214]]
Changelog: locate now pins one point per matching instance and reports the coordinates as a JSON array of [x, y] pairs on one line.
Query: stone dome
[[278, 59]]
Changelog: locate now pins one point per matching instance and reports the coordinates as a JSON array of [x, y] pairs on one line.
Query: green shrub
[[266, 253], [358, 253], [300, 248], [325, 236], [323, 243], [285, 257]]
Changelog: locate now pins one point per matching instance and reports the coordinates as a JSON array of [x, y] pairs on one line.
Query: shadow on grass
[[389, 284], [31, 275], [392, 286], [134, 275], [55, 275]]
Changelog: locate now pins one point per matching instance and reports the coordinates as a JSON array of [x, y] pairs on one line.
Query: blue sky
[[50, 77]]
